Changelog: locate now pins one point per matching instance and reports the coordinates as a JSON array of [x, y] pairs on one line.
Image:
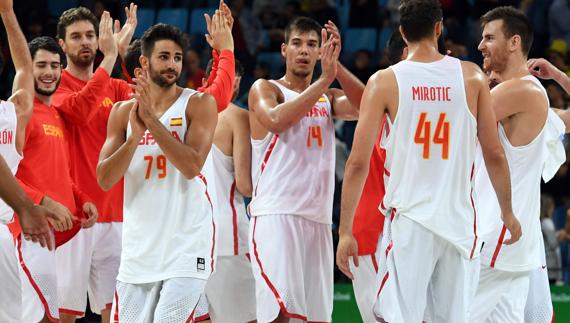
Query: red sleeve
[[80, 197], [220, 82], [79, 107], [34, 195]]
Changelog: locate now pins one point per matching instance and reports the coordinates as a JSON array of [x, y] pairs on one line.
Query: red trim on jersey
[[213, 224], [474, 213], [32, 282], [374, 263], [384, 279], [234, 217], [202, 318], [72, 312], [248, 256], [268, 282], [499, 245], [108, 306], [116, 316], [386, 172], [265, 159], [190, 318]]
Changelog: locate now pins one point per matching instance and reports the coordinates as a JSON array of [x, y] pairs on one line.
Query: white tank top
[[167, 225], [293, 171], [231, 220], [430, 152], [8, 122], [527, 164]]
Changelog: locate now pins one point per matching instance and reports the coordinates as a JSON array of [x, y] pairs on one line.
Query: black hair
[[418, 18], [48, 44], [303, 25], [395, 47], [132, 57], [239, 70], [162, 32], [73, 15]]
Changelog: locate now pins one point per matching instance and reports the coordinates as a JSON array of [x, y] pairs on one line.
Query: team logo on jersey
[[107, 103], [51, 130], [322, 99], [175, 122]]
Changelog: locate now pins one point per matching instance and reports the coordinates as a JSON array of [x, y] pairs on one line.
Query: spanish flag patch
[[175, 122]]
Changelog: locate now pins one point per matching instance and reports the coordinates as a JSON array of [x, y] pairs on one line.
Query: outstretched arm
[[23, 87], [543, 69]]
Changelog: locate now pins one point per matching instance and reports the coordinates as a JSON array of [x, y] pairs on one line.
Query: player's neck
[[424, 51], [515, 68], [82, 73], [45, 99], [164, 97], [296, 83]]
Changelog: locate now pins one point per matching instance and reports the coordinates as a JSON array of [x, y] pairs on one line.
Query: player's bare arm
[[118, 150], [378, 91], [241, 149], [345, 102], [479, 101], [543, 69], [271, 114], [33, 218], [23, 86]]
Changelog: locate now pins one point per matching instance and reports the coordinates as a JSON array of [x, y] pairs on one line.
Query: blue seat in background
[[174, 16], [145, 19], [343, 11], [274, 60], [197, 21], [355, 39], [57, 7], [384, 37]]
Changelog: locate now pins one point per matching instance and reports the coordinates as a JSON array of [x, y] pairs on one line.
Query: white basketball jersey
[[167, 224], [230, 217], [293, 171], [8, 122], [430, 152], [527, 164]]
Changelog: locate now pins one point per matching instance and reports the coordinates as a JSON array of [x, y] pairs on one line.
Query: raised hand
[[138, 127], [542, 68], [107, 43], [219, 35], [124, 35], [35, 226], [91, 211], [227, 13], [142, 94], [6, 6], [62, 219], [330, 51], [332, 29]]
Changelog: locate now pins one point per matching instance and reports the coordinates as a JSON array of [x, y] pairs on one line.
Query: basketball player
[[231, 287], [529, 132], [84, 99], [430, 167], [368, 219], [14, 115], [292, 135], [46, 170], [159, 143]]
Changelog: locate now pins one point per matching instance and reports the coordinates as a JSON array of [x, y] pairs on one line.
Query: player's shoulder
[[123, 107], [472, 71], [236, 113], [517, 90], [265, 86], [200, 98]]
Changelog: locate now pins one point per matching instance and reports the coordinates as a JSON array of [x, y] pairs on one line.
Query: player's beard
[[158, 79], [301, 73], [82, 61], [497, 61], [46, 92]]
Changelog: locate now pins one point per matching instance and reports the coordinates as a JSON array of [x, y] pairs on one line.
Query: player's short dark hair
[[48, 44], [73, 15], [515, 22], [418, 18], [132, 57], [395, 47], [303, 25], [162, 32], [238, 68]]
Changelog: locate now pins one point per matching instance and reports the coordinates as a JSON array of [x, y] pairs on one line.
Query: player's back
[[8, 122], [167, 230], [431, 151], [293, 171]]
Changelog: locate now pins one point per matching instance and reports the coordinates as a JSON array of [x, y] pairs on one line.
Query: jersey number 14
[[441, 136]]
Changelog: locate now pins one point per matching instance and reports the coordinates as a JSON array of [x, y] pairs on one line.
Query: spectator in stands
[[321, 10], [247, 33], [192, 74], [557, 54], [364, 14], [558, 16], [362, 67], [550, 236], [261, 71]]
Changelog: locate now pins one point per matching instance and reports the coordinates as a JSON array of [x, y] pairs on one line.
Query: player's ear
[[283, 49], [61, 43], [143, 60], [515, 42], [438, 28]]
